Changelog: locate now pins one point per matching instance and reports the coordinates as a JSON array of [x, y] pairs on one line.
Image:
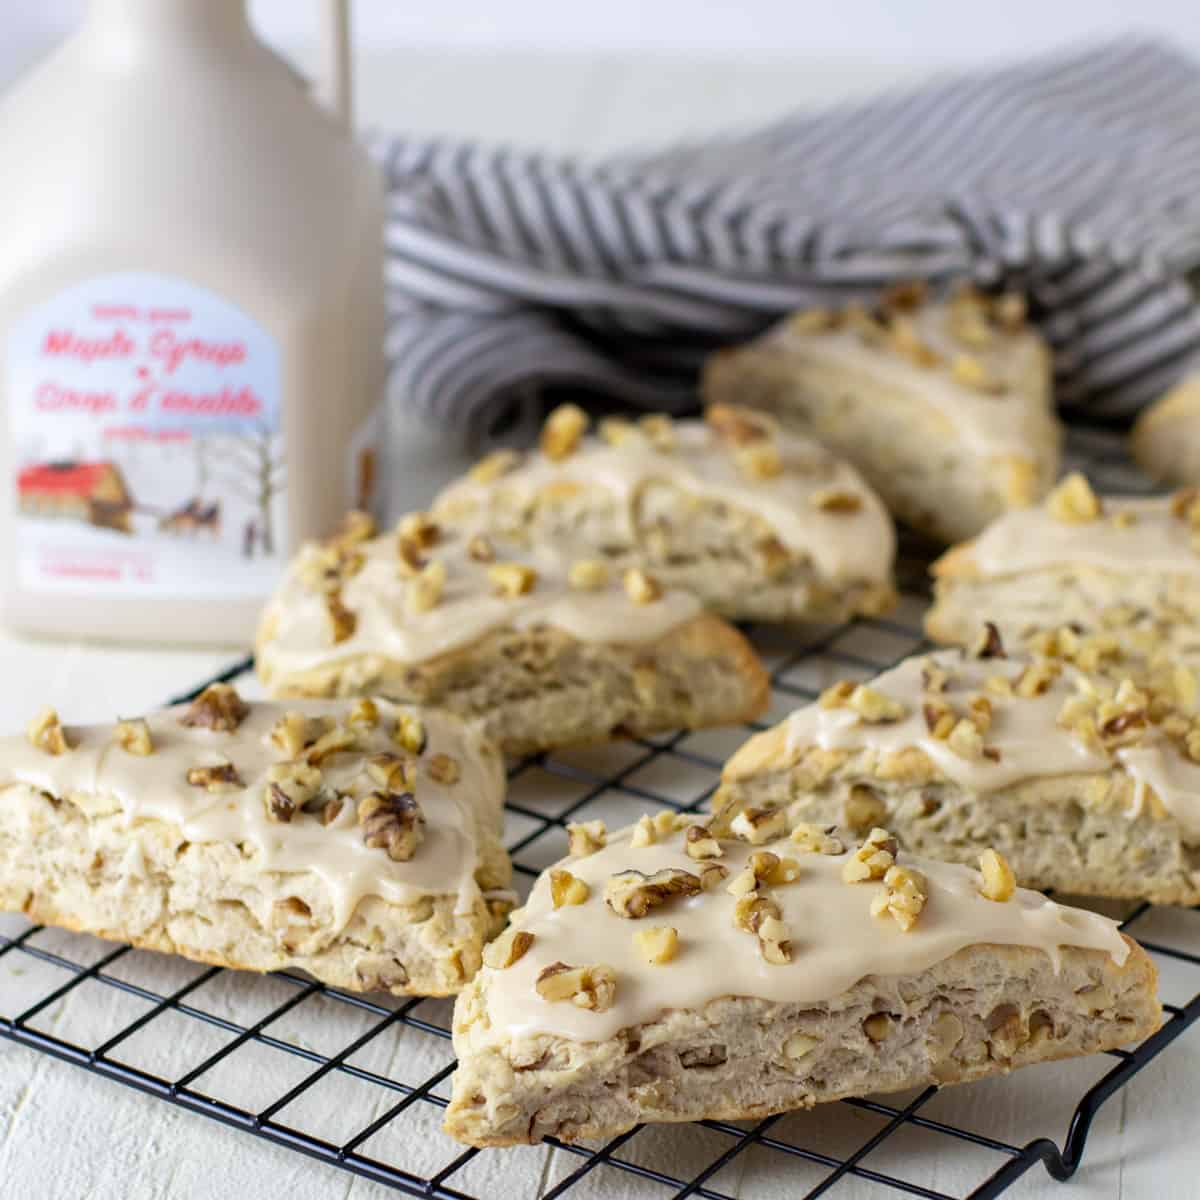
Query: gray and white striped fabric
[[1075, 177]]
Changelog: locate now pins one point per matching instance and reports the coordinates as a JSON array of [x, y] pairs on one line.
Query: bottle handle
[[334, 88]]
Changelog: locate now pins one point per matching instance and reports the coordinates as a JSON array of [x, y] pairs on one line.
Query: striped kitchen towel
[[1076, 178]]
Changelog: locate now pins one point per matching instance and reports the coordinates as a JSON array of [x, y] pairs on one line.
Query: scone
[[758, 524], [1086, 785], [540, 649], [1166, 438], [1126, 568], [945, 407], [356, 841], [675, 976]]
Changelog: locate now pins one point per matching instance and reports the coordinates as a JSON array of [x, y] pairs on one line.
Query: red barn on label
[[93, 492]]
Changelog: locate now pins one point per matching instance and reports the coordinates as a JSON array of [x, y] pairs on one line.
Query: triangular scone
[[543, 649], [944, 407], [672, 976], [1086, 785], [358, 841], [758, 524], [1128, 569], [1166, 438]]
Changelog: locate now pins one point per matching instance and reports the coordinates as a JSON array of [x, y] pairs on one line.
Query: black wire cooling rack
[[360, 1083]]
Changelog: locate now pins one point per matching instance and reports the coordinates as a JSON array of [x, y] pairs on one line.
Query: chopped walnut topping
[[872, 859], [934, 677], [906, 296], [904, 894], [812, 320], [331, 810], [1124, 519], [291, 734], [342, 622], [562, 432], [290, 786], [134, 737], [999, 882], [814, 840], [774, 943], [566, 888], [45, 731], [409, 557], [863, 809], [425, 589], [874, 707], [410, 733], [773, 556], [1036, 678], [633, 894], [1073, 501], [987, 643], [771, 869], [640, 587], [1009, 311], [862, 322], [751, 909], [759, 460], [334, 741], [965, 739], [221, 778], [759, 825], [492, 466], [391, 772], [443, 769], [837, 695], [357, 526], [1184, 506], [364, 712], [507, 949], [419, 529], [593, 988], [659, 429], [967, 323], [512, 579], [589, 574], [699, 842], [644, 834], [614, 431], [836, 500], [737, 425], [940, 718], [980, 708], [480, 549], [743, 883], [218, 708], [586, 838], [658, 944], [712, 875], [392, 821], [907, 341], [972, 373]]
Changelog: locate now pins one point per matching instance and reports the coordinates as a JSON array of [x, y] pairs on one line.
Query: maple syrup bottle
[[191, 326]]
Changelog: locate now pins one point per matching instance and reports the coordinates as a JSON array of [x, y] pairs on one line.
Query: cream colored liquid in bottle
[[191, 325]]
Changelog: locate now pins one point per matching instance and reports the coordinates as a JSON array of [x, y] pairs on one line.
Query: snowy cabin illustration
[[93, 492]]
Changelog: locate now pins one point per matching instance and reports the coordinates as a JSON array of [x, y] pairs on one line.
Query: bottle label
[[146, 419]]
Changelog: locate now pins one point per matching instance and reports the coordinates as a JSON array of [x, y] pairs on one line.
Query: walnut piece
[[392, 821], [480, 549], [836, 500], [562, 432], [632, 894], [492, 466], [811, 839], [410, 733], [218, 708], [641, 587], [588, 574], [291, 734], [290, 788], [512, 579], [874, 707], [342, 622], [737, 425], [863, 809], [585, 838], [971, 372], [566, 888], [134, 737], [658, 944], [45, 731], [356, 526], [904, 894], [759, 460], [812, 320], [426, 587], [659, 430], [419, 529], [759, 825], [700, 842], [220, 778], [644, 833], [507, 949], [999, 882], [987, 643], [364, 712], [391, 772], [872, 859], [1073, 501], [443, 769], [594, 988], [335, 740]]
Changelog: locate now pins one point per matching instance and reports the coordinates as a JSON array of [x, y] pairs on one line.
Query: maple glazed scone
[[358, 841], [1127, 568], [671, 975], [758, 524], [1165, 441], [543, 649], [1086, 785], [945, 407]]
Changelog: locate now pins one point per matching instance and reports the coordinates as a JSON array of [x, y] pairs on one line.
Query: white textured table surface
[[67, 1134]]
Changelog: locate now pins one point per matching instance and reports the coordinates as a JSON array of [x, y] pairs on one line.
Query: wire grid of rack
[[399, 1050]]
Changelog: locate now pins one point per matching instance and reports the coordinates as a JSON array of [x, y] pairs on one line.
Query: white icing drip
[[1025, 732], [155, 787], [844, 547], [1031, 539], [987, 423], [302, 637], [835, 940]]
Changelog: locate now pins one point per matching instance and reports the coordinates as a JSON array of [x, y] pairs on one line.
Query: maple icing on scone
[[988, 723], [375, 798], [668, 915], [966, 357], [817, 505]]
